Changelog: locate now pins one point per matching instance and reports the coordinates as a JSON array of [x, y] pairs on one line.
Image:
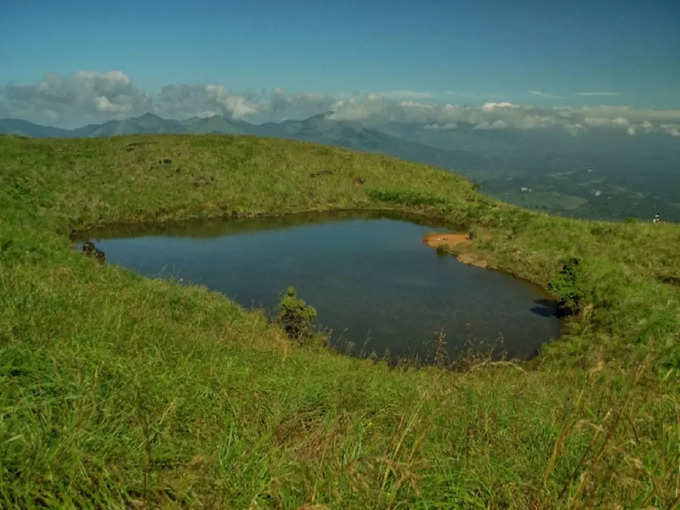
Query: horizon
[[604, 126]]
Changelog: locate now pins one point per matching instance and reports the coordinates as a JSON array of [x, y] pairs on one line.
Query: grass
[[122, 391]]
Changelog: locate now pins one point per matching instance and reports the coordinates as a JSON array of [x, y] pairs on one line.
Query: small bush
[[296, 316], [566, 286]]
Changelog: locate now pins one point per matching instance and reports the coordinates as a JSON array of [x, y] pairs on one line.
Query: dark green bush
[[296, 316], [566, 286]]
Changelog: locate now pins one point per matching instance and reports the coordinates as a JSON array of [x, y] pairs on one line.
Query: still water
[[374, 284]]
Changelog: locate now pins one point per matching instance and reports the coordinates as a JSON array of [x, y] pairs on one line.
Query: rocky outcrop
[[91, 250]]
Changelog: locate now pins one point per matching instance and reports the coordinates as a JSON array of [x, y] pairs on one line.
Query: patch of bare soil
[[435, 240], [456, 240]]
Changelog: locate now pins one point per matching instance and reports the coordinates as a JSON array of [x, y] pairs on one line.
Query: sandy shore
[[435, 240], [455, 240]]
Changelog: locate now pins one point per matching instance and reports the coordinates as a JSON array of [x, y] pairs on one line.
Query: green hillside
[[122, 391]]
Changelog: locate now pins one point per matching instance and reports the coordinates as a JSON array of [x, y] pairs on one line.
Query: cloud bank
[[88, 96], [548, 95], [373, 109], [182, 101]]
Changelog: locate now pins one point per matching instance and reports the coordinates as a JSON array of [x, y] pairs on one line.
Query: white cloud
[[606, 121], [597, 93], [547, 95], [233, 105], [478, 96], [376, 110], [182, 101], [489, 107], [670, 129], [373, 109], [448, 125], [81, 96], [367, 107], [103, 104], [406, 94], [280, 105]]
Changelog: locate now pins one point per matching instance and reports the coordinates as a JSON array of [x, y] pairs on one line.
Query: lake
[[375, 286]]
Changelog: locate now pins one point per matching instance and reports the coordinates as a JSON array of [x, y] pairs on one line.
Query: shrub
[[566, 286], [296, 316]]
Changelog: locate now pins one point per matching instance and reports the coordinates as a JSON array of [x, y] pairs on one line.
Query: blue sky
[[543, 53]]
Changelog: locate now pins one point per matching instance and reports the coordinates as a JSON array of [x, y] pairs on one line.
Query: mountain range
[[318, 128]]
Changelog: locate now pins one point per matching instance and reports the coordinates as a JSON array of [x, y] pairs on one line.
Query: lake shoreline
[[337, 261]]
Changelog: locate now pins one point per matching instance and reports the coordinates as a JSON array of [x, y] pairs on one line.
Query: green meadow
[[120, 391]]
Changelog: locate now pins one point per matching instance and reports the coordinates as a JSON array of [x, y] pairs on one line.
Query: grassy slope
[[119, 390]]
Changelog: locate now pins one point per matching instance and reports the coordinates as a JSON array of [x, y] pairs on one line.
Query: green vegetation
[[566, 286], [122, 391], [443, 249], [295, 316], [405, 197]]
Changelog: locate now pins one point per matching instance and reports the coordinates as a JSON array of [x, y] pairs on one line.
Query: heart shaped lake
[[375, 285]]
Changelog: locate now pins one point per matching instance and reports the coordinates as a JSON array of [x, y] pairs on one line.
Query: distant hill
[[145, 124], [352, 135], [25, 128], [319, 128]]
